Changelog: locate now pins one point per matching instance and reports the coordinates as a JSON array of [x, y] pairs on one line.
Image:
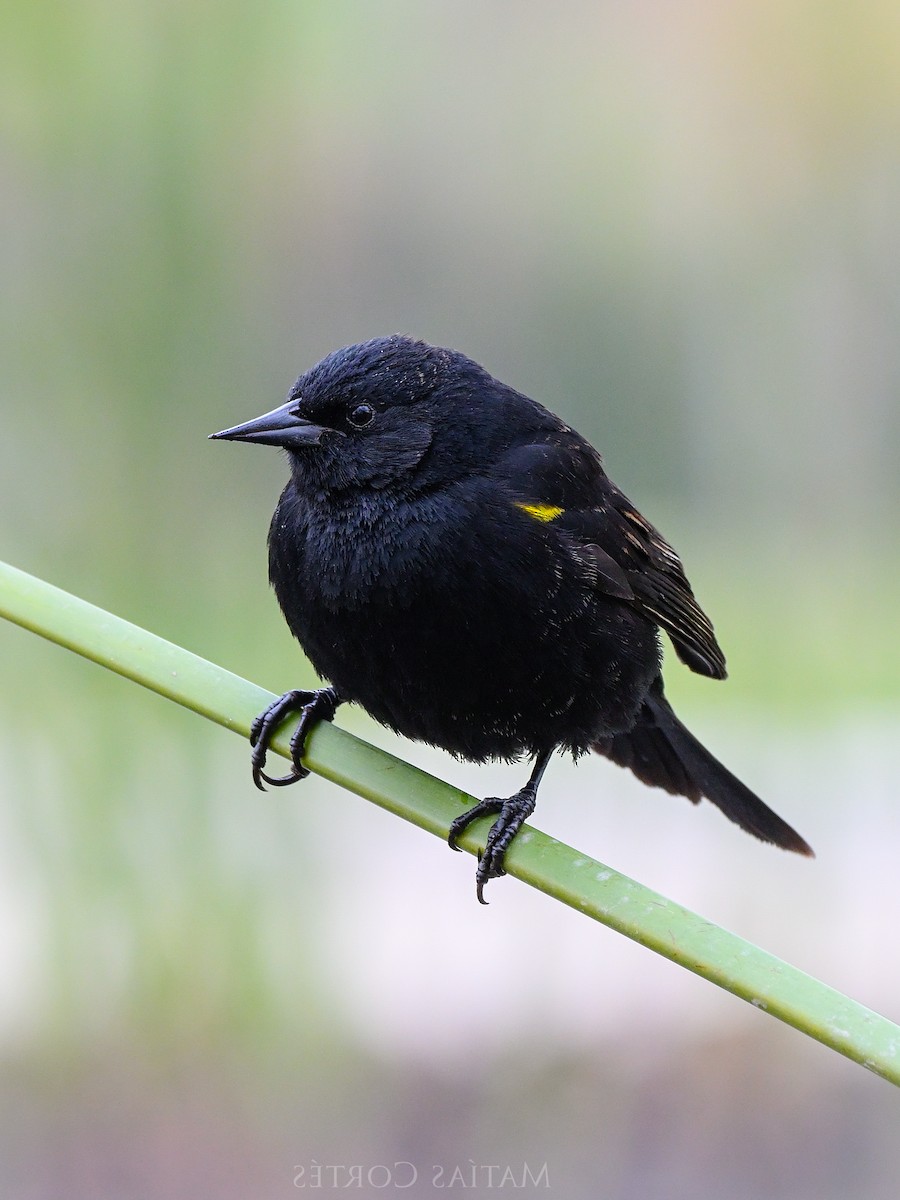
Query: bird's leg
[[513, 813], [312, 706]]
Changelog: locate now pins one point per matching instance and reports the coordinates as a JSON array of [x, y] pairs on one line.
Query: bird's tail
[[663, 753]]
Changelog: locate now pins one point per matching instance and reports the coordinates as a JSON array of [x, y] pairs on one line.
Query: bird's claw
[[513, 813], [312, 706]]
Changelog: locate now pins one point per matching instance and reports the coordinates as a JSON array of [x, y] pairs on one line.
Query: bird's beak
[[280, 427]]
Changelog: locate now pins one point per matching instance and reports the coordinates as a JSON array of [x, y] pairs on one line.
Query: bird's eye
[[361, 415]]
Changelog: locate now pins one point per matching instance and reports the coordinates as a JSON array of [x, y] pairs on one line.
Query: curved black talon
[[314, 706], [514, 812], [464, 820]]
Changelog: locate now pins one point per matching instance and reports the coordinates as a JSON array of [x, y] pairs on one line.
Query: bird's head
[[391, 411]]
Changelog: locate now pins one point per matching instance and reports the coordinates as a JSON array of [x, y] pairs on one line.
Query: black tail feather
[[661, 752]]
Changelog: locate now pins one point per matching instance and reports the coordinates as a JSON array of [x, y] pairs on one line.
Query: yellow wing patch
[[542, 512]]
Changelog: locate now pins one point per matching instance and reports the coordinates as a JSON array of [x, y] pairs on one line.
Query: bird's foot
[[513, 813], [312, 706]]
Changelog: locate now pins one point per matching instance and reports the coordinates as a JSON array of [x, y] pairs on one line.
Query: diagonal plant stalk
[[562, 872]]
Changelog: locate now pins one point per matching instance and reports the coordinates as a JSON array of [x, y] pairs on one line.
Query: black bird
[[454, 558]]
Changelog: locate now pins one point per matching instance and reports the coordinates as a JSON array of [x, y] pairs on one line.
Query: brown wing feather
[[626, 557], [662, 591], [622, 554]]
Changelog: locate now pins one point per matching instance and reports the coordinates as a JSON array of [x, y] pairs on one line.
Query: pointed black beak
[[281, 427]]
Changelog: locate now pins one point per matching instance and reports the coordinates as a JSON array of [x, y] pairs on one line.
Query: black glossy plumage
[[454, 558]]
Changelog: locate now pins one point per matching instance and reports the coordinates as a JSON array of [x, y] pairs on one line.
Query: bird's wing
[[657, 579], [562, 481]]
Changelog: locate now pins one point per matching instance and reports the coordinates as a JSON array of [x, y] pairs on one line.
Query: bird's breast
[[360, 555], [461, 624]]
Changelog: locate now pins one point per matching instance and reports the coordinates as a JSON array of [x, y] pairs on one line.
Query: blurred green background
[[677, 226]]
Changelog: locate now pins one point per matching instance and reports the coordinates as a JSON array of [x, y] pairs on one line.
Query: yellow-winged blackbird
[[454, 558]]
